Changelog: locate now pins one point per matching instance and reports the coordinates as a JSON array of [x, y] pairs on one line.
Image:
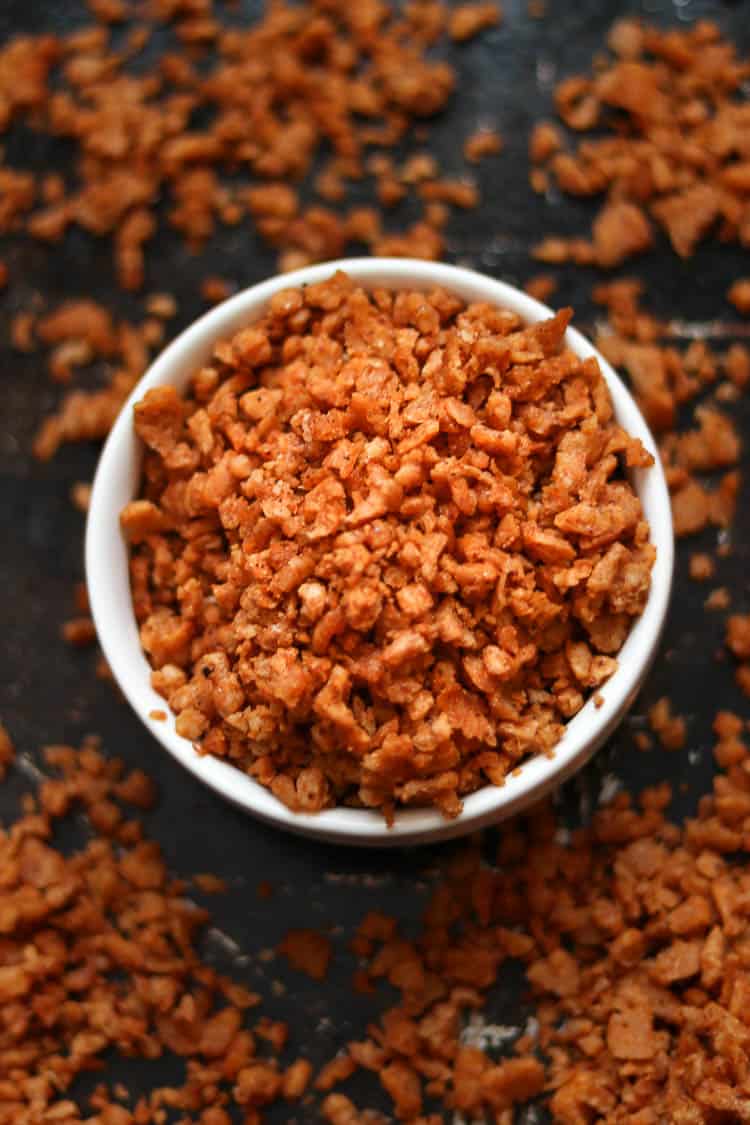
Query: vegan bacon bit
[[669, 729], [307, 951], [406, 550], [658, 106], [7, 751], [79, 632], [216, 289], [702, 567], [210, 884], [541, 287], [467, 20], [485, 142], [720, 598], [739, 295]]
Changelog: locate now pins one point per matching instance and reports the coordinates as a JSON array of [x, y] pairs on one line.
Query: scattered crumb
[[485, 142], [541, 287], [467, 20], [216, 289], [307, 951], [670, 729], [702, 567], [79, 632], [80, 495], [162, 305], [739, 295], [210, 884], [718, 599]]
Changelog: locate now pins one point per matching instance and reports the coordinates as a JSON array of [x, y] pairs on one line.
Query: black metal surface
[[50, 693]]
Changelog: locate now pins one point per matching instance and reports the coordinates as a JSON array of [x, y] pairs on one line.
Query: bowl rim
[[106, 551]]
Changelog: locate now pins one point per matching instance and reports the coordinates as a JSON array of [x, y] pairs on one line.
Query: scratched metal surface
[[48, 693]]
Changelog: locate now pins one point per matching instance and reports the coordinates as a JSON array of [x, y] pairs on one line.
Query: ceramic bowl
[[117, 481]]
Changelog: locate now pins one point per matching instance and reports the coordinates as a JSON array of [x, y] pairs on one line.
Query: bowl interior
[[117, 480]]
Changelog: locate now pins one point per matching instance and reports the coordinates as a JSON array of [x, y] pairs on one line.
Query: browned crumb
[[307, 951], [485, 142], [87, 415], [743, 678], [541, 287], [210, 884], [158, 715], [546, 139], [737, 365], [81, 596], [738, 635], [718, 599], [216, 289], [664, 379], [739, 295], [22, 332], [80, 495], [670, 729], [643, 740], [702, 567], [79, 632], [7, 751], [162, 305], [467, 20]]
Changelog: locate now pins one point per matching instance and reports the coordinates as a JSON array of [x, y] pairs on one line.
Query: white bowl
[[117, 480]]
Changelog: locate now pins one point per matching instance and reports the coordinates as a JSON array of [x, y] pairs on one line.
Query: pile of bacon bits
[[669, 144], [99, 961], [633, 936], [228, 121], [385, 547], [634, 939]]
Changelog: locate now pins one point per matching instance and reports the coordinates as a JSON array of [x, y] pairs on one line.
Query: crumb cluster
[[99, 960], [633, 936], [385, 547], [665, 135], [309, 92], [701, 461]]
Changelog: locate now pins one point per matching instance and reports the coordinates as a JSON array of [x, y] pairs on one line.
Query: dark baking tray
[[49, 693]]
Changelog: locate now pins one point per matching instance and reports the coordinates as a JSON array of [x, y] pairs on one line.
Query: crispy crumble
[[668, 119], [339, 81], [385, 547]]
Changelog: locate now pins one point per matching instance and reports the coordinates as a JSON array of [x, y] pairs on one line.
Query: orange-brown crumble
[[663, 379], [385, 547], [669, 145], [341, 80]]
